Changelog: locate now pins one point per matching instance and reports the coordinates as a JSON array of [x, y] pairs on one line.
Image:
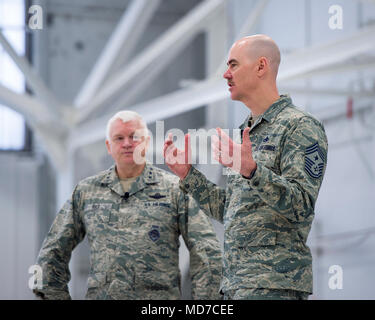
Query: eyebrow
[[231, 61], [121, 135], [116, 135]]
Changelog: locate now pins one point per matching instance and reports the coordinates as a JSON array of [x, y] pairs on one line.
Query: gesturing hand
[[177, 160], [239, 157]]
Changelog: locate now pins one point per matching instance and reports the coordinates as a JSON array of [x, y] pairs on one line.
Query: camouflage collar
[[271, 112], [276, 107], [148, 174], [146, 177]]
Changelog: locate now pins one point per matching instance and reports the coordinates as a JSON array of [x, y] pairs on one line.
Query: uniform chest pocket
[[157, 211], [256, 230], [267, 154], [97, 215]]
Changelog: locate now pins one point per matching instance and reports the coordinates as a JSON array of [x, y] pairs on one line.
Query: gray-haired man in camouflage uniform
[[268, 205], [132, 215]]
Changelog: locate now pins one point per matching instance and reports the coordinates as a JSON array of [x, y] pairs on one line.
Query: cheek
[[115, 151], [247, 80]]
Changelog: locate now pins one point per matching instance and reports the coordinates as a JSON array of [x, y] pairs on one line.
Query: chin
[[234, 97]]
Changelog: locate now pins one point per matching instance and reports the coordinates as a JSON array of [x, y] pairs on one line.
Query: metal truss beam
[[33, 80], [338, 110], [300, 63], [328, 92], [178, 102], [155, 57], [297, 64], [48, 129], [119, 47], [25, 104], [339, 68]]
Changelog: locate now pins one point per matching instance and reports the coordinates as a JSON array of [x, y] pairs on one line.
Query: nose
[[227, 75], [127, 142]]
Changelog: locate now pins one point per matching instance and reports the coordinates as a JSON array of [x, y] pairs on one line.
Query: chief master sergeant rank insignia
[[314, 161]]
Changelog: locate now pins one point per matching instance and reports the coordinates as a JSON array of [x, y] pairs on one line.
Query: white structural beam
[[33, 80], [155, 57], [119, 47], [328, 92], [55, 146], [34, 111], [300, 62], [339, 68], [28, 106], [135, 88], [340, 109], [216, 90], [47, 129], [157, 109]]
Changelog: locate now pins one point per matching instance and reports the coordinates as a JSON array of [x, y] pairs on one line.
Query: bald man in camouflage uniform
[[132, 215], [268, 205]]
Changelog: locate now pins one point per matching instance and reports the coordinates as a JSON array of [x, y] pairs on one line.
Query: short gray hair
[[126, 116]]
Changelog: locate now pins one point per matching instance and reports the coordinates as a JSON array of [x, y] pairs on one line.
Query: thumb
[[187, 149], [245, 137]]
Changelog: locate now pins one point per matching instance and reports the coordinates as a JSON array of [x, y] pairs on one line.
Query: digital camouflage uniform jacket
[[267, 218], [133, 239]]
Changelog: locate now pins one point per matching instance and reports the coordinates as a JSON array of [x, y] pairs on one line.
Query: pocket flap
[[264, 237]]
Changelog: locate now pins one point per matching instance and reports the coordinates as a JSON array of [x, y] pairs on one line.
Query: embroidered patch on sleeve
[[314, 161]]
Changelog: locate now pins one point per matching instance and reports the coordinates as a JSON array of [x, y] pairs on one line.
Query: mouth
[[230, 85]]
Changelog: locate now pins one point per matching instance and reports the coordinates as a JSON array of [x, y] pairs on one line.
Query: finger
[[225, 140], [169, 151], [246, 137], [215, 148], [168, 142], [215, 153], [215, 142], [188, 150]]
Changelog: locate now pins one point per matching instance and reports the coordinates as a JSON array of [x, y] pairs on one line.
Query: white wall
[[344, 208], [19, 229]]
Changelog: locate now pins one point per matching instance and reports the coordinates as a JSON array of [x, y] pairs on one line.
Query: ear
[[262, 66], [108, 146]]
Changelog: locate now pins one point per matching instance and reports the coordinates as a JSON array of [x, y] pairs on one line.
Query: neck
[[261, 100], [129, 170]]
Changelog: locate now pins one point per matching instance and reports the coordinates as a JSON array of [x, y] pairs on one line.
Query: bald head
[[258, 46]]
